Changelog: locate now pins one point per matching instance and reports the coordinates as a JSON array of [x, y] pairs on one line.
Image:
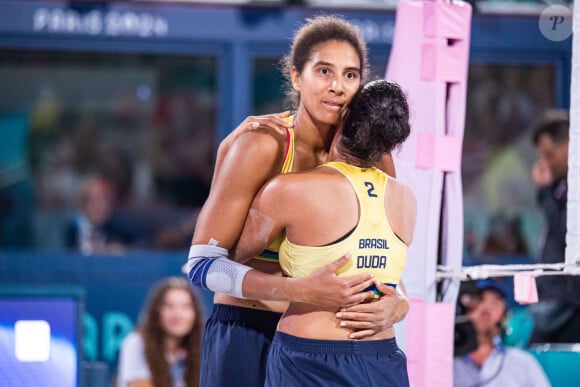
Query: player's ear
[[295, 78]]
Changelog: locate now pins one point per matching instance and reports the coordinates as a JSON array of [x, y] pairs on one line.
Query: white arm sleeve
[[209, 267]]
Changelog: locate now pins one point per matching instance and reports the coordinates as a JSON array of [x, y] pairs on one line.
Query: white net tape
[[467, 273]]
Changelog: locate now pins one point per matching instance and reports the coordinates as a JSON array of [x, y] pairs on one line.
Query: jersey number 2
[[371, 189]]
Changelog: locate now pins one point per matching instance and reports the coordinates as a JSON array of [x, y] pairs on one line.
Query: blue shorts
[[235, 346], [294, 361]]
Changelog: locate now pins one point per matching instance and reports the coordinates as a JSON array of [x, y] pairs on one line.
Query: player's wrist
[[293, 289], [402, 309]]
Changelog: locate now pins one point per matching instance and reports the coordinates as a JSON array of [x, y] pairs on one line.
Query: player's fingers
[[385, 289], [360, 287], [368, 308], [354, 316], [269, 125], [357, 298], [283, 114], [357, 325], [252, 125], [359, 282], [340, 262], [361, 334], [274, 120]]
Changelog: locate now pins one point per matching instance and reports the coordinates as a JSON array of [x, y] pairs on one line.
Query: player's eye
[[351, 75]]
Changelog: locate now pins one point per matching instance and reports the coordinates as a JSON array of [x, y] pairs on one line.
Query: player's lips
[[333, 105]]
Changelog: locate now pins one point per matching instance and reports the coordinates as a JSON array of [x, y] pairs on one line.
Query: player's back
[[341, 209]]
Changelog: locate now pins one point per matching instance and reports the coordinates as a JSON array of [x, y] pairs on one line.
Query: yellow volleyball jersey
[[374, 246], [271, 252]]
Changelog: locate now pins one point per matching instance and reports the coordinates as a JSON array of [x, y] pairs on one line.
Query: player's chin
[[329, 118]]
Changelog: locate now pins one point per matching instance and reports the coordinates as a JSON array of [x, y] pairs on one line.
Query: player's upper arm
[[266, 219], [251, 160], [222, 151]]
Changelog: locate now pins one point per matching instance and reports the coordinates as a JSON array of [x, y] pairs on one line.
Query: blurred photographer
[[491, 363]]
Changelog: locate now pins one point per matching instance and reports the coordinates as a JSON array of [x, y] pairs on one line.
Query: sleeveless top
[[271, 252], [373, 244]]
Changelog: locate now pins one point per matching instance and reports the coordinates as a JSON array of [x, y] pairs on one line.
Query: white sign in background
[[95, 22]]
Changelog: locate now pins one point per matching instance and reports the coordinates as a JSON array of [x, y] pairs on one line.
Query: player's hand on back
[[275, 122], [323, 287], [367, 319]]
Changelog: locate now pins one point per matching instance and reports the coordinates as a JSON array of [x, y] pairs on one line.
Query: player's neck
[[312, 134], [342, 155]]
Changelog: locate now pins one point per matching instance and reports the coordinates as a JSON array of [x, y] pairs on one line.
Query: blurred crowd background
[[148, 124]]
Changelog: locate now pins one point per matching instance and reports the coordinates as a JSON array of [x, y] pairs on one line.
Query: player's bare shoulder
[[284, 191], [401, 207], [263, 147], [401, 192]]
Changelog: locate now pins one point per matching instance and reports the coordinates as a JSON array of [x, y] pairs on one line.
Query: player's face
[[177, 313], [328, 82]]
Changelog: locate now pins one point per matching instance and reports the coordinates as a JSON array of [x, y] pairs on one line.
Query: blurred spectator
[[164, 351], [505, 237], [98, 228], [178, 234], [491, 363], [557, 316], [182, 149]]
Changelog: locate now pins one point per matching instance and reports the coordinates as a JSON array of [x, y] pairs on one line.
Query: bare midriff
[[312, 322]]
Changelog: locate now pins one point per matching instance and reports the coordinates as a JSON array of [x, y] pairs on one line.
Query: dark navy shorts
[[299, 362], [235, 346]]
